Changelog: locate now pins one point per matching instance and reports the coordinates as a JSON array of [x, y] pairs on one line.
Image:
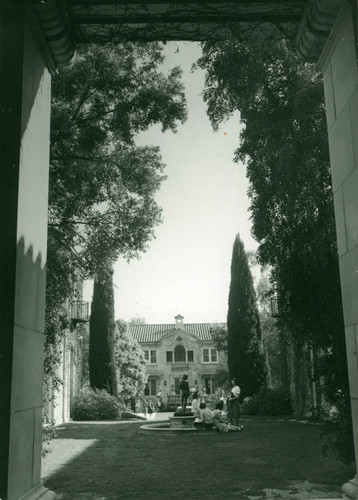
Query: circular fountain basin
[[182, 422], [165, 427]]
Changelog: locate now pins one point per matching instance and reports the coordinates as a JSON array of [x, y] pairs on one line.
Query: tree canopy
[[101, 183], [219, 336], [285, 151], [284, 147], [130, 363]]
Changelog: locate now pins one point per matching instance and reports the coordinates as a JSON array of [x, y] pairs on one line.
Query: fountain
[[182, 420], [178, 422]]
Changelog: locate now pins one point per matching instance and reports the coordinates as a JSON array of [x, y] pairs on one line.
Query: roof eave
[[52, 29], [317, 22]]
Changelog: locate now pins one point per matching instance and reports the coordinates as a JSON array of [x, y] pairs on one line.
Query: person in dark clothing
[[184, 389]]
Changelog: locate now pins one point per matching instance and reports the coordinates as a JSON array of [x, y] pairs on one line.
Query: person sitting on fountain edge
[[219, 421], [184, 388], [206, 417], [195, 408]]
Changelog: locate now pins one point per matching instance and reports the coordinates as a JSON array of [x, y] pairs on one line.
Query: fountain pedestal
[[179, 422], [183, 421]]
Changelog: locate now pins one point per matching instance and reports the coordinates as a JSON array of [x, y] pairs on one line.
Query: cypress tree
[[102, 368], [246, 360]]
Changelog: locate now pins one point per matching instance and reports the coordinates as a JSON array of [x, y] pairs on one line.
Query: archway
[[179, 354], [37, 41]]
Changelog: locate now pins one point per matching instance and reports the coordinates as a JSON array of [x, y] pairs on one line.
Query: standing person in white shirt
[[234, 404]]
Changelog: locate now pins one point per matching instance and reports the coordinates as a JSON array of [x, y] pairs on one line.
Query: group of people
[[206, 418]]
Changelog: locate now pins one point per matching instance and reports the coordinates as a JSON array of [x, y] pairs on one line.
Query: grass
[[120, 461]]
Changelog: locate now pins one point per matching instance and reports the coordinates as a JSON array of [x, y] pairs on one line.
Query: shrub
[[48, 433], [337, 432], [250, 405], [268, 402], [94, 404]]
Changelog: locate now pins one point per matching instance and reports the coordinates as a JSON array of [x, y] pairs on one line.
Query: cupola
[[179, 321]]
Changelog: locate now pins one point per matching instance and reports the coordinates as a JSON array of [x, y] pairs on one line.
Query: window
[[179, 354], [169, 356], [146, 355], [210, 356], [151, 387], [190, 356], [206, 356], [153, 356]]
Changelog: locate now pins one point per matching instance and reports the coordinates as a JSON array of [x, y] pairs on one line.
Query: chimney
[[178, 321]]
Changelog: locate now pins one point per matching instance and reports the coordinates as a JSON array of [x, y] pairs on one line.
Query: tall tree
[[284, 146], [101, 183], [102, 186], [246, 361], [102, 368]]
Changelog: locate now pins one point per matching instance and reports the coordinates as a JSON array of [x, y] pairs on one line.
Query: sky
[[186, 269]]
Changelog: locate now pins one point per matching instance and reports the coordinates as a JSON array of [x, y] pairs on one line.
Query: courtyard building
[[173, 350]]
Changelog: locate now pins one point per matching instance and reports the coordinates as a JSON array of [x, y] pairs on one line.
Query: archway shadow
[[22, 299]]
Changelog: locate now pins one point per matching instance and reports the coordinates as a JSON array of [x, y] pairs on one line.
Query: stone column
[[24, 159], [338, 64]]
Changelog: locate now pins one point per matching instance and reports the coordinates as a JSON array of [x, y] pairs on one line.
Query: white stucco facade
[[177, 349]]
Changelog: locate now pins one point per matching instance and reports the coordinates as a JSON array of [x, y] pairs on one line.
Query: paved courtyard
[[275, 458]]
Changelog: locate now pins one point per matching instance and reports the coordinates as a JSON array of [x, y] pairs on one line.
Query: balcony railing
[[180, 365], [79, 311]]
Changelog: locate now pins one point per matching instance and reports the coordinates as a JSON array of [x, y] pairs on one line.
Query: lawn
[[269, 459]]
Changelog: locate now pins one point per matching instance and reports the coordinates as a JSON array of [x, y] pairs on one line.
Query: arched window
[[179, 354]]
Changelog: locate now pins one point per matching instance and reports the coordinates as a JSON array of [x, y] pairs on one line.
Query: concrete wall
[[60, 408], [24, 130], [338, 64]]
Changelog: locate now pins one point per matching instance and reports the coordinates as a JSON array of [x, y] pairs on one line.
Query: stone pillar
[[338, 64], [24, 158]]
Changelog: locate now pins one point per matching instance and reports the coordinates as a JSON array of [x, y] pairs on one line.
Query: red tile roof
[[145, 334]]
